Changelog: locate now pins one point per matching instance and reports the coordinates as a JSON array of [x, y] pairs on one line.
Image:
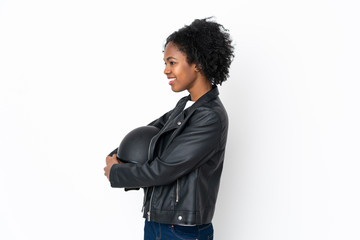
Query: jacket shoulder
[[213, 111]]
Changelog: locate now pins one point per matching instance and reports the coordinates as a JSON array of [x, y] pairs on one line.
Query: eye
[[170, 62]]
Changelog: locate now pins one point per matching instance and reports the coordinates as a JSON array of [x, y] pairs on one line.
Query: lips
[[171, 80]]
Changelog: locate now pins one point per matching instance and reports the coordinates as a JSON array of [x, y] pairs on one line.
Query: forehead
[[172, 51]]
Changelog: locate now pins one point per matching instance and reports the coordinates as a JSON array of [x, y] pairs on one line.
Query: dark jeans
[[160, 231]]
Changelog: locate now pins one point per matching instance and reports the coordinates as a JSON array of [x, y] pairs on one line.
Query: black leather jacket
[[182, 175]]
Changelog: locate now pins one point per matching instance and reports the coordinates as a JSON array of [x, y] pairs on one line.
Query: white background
[[76, 76]]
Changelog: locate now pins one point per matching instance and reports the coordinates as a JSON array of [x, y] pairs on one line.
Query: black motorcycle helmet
[[134, 147]]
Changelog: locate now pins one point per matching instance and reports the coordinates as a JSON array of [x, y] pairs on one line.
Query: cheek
[[190, 74], [186, 72]]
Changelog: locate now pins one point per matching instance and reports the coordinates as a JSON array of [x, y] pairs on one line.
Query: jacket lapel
[[177, 118]]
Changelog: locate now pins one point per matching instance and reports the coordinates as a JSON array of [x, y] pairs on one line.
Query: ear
[[197, 67], [194, 67]]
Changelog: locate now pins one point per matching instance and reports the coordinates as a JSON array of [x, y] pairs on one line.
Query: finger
[[108, 160]]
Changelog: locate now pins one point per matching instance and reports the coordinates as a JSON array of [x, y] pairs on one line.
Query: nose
[[167, 69]]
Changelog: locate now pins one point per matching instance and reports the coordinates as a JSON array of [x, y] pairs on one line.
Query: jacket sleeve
[[199, 139]]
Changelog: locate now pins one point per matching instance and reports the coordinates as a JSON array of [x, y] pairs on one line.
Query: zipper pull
[[148, 213]]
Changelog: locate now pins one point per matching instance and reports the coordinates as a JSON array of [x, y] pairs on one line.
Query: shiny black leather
[[182, 175]]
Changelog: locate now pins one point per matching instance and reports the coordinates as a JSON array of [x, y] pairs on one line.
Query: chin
[[175, 89]]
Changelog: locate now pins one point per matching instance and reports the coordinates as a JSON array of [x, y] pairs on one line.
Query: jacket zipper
[[147, 189], [144, 201], [149, 212], [177, 190], [149, 148]]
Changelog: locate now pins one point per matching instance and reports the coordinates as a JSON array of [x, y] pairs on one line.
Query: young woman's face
[[181, 75]]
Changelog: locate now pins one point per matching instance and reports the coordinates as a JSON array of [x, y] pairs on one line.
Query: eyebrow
[[169, 58]]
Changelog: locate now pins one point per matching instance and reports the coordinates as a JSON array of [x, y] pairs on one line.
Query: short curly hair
[[208, 45]]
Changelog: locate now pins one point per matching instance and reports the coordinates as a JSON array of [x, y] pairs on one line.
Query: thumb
[[116, 158]]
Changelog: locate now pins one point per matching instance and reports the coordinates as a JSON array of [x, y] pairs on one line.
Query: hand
[[110, 160]]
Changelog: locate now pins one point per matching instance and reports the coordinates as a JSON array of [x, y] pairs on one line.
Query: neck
[[202, 87]]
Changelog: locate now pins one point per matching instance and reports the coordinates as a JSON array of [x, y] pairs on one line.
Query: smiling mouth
[[171, 81]]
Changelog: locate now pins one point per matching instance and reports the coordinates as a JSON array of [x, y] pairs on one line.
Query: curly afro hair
[[207, 44]]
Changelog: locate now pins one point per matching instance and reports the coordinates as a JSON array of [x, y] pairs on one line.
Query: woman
[[182, 175]]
